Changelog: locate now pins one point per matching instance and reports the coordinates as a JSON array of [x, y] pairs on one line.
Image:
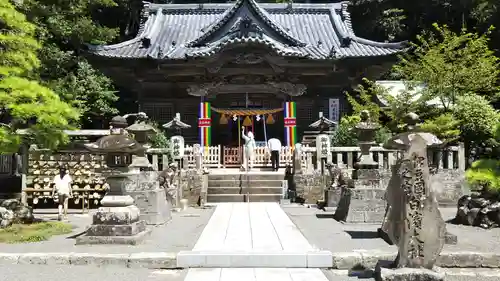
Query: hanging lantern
[[223, 119], [270, 119], [247, 122], [235, 118], [257, 118]]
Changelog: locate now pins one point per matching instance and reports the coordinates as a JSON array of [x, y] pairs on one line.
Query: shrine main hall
[[269, 67]]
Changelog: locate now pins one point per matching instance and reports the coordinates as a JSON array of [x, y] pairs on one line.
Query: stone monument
[[402, 142], [413, 221], [117, 221], [145, 188], [365, 202]]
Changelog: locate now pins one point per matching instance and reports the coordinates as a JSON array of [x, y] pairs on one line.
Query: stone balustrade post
[[297, 158], [198, 157]]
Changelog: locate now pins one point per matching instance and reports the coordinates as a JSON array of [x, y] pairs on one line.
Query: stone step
[[244, 190], [250, 182], [242, 176], [234, 198]]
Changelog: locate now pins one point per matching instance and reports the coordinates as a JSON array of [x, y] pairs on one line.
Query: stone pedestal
[[383, 272], [116, 222], [149, 197], [332, 196], [367, 203]]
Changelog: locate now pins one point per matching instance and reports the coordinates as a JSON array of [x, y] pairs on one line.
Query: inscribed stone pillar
[[413, 220], [323, 153]]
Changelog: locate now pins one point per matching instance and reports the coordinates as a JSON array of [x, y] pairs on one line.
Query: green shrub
[[346, 135], [484, 174], [445, 127]]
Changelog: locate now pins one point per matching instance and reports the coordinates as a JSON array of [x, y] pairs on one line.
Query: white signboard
[[334, 108], [177, 147]]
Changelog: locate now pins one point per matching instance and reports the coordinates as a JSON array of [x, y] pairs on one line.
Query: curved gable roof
[[315, 31]]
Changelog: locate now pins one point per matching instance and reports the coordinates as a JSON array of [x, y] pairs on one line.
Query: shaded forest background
[[63, 26]]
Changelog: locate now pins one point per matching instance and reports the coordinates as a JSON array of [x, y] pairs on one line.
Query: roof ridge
[[351, 35], [229, 13], [143, 32]]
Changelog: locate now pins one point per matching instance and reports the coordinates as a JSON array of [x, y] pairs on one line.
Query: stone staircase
[[242, 187]]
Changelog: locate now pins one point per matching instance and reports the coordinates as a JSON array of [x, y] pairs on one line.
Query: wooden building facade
[[242, 55]]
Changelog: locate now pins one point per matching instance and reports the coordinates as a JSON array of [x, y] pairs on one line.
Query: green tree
[[451, 65], [64, 27], [365, 97], [24, 103]]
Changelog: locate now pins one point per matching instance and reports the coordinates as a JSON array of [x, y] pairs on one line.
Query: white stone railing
[[452, 157]]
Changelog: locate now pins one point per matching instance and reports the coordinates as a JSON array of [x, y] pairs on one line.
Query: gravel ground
[[180, 234], [328, 234]]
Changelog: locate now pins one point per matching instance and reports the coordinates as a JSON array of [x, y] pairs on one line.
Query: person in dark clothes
[[274, 146]]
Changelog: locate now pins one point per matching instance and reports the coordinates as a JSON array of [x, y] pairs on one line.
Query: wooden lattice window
[[160, 112]]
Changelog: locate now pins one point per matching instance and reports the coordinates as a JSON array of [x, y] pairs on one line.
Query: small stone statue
[[335, 174], [413, 221], [168, 181]]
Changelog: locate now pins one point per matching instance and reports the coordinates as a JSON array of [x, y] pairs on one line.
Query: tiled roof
[[315, 31]]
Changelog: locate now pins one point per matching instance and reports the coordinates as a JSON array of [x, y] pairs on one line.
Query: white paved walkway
[[255, 274], [252, 235], [251, 227]]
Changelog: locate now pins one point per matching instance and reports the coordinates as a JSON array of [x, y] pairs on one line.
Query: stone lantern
[[141, 131], [117, 220], [366, 130]]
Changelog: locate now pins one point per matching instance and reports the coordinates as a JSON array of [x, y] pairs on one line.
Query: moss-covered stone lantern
[[366, 130]]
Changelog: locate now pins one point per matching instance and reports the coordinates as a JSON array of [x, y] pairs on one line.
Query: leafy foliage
[[160, 139], [477, 118], [364, 99], [484, 174], [346, 135], [64, 27], [451, 65], [444, 126], [24, 103]]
